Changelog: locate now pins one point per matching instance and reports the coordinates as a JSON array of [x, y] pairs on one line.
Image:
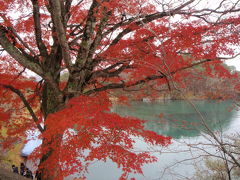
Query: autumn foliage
[[101, 46], [93, 132]]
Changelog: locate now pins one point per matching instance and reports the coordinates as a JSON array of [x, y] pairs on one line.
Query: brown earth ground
[[5, 174]]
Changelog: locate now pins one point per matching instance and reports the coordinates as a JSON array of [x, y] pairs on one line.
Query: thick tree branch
[[38, 33], [27, 105], [66, 10], [17, 55], [26, 60], [99, 33], [61, 32], [87, 35]]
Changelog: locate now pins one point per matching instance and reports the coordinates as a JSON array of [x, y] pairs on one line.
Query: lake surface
[[179, 120]]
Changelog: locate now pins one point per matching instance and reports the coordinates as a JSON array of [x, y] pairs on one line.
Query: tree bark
[[50, 169]]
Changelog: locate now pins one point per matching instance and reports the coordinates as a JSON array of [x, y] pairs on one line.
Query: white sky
[[234, 62]]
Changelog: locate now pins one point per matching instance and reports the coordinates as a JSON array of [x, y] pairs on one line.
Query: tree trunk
[[49, 166], [49, 163]]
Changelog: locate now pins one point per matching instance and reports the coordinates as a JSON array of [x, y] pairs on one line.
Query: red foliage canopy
[[100, 45]]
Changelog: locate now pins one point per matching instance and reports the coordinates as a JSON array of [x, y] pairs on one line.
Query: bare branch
[[149, 18], [147, 79]]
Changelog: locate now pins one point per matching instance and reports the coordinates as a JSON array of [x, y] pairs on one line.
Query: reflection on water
[[178, 119]]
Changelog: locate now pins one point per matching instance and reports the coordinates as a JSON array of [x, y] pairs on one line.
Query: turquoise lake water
[[179, 120]]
